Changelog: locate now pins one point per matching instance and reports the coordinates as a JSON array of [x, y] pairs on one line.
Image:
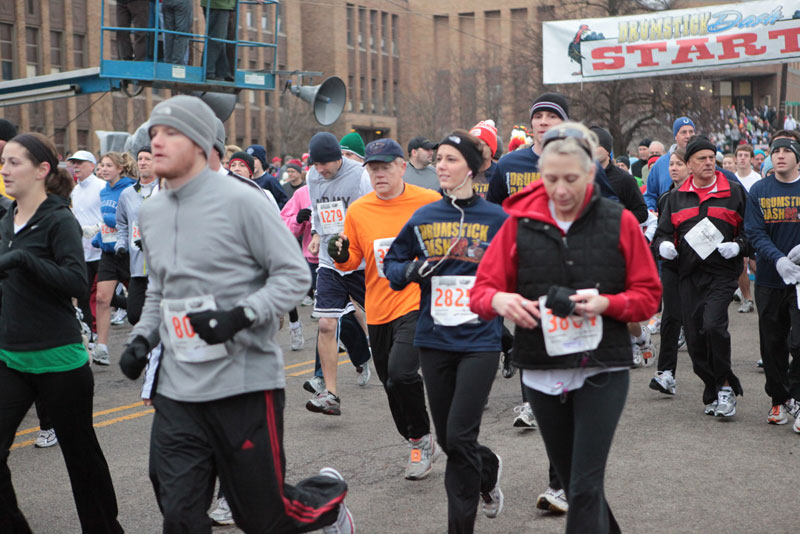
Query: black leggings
[[577, 429], [68, 398], [137, 289]]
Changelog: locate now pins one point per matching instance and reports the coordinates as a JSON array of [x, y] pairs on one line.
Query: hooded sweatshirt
[[85, 199], [237, 257], [130, 201], [37, 296], [106, 238], [300, 200]]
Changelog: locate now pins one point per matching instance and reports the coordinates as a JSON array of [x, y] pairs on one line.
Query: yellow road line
[[96, 414], [134, 415], [311, 370]]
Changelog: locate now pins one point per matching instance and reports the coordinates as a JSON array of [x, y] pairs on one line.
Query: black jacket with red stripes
[[724, 207]]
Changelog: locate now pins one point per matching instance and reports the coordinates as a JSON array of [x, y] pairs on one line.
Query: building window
[[374, 95], [394, 34], [384, 16], [32, 51], [79, 53], [351, 91], [248, 17], [6, 51], [546, 12], [350, 12], [385, 96], [264, 23], [362, 26], [363, 98], [394, 95], [56, 47], [373, 29]]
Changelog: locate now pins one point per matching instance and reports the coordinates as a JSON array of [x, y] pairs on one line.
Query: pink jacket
[[300, 200]]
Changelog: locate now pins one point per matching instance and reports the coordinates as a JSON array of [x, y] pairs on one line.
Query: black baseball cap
[[421, 141], [385, 150]]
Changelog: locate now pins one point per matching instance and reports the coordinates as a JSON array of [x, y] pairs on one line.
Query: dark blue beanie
[[324, 147]]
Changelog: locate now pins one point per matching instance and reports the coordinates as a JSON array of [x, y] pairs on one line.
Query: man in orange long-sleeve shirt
[[370, 226]]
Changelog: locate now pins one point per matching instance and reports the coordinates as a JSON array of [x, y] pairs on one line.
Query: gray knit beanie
[[219, 137], [190, 116]]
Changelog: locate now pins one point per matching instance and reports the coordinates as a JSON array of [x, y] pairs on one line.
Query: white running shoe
[[344, 522], [493, 501], [307, 301], [314, 385], [726, 403], [46, 438], [646, 349], [792, 408], [222, 514], [654, 325], [638, 356], [553, 501], [363, 372], [777, 415], [746, 306], [298, 341], [525, 417], [710, 408], [663, 382], [423, 453], [119, 317], [100, 355], [737, 295]]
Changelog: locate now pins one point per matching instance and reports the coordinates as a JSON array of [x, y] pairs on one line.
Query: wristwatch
[[250, 314]]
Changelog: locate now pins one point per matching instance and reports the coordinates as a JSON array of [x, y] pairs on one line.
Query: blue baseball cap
[[385, 150]]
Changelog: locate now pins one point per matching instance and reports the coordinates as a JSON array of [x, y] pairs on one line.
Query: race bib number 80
[[568, 335], [184, 341], [450, 300]]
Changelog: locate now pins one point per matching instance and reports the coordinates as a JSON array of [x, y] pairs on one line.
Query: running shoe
[[222, 515], [363, 374], [298, 341], [45, 438], [777, 415], [710, 408], [638, 356], [119, 317], [796, 425], [314, 385], [792, 408], [726, 403], [760, 363], [307, 301], [100, 355], [747, 306], [508, 369], [654, 325], [524, 418], [344, 522], [663, 382], [92, 342], [553, 501], [647, 349], [681, 340], [493, 501], [325, 402], [737, 295], [423, 452]]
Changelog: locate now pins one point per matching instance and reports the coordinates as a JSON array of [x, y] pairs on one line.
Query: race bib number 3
[[450, 300], [568, 335], [108, 234], [184, 341], [331, 215], [380, 247]]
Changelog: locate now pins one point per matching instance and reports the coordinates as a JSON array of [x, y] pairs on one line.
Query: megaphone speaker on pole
[[327, 99], [221, 104]]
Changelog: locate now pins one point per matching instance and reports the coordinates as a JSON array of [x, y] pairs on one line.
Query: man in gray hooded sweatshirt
[[219, 281]]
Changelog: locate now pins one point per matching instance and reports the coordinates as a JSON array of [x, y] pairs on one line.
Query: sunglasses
[[562, 134]]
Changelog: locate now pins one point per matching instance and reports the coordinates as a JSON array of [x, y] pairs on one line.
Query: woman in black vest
[[575, 352]]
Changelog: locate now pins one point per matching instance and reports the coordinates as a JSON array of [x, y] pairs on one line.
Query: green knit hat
[[353, 143]]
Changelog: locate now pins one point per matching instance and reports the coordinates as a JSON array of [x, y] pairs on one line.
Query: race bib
[[704, 238], [108, 234], [380, 247], [450, 300], [135, 235], [331, 215], [568, 335], [184, 341]]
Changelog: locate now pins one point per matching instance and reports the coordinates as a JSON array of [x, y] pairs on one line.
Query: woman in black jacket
[[42, 356]]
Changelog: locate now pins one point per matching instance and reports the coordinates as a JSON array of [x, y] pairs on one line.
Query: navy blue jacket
[[271, 184], [428, 234]]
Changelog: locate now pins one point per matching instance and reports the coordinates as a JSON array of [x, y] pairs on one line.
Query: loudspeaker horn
[[221, 104], [327, 99]]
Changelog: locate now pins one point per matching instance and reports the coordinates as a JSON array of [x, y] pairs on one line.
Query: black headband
[[471, 153], [784, 142], [38, 150]]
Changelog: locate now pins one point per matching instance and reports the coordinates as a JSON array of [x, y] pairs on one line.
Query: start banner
[[671, 42]]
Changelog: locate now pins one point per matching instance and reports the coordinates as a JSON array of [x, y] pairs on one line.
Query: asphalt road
[[671, 470]]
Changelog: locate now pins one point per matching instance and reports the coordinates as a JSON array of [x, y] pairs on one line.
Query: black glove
[[138, 244], [218, 326], [413, 271], [303, 215], [339, 256], [134, 357], [121, 252], [11, 260]]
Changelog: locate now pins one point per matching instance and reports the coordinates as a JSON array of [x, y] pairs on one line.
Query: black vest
[[587, 257]]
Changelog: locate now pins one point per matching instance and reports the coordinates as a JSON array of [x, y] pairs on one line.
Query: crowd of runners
[[436, 265]]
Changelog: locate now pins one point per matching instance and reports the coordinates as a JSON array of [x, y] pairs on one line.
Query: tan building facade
[[410, 66]]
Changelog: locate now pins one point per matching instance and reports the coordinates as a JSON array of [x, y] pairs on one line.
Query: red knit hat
[[486, 131]]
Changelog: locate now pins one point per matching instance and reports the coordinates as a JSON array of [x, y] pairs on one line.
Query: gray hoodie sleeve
[[150, 320], [274, 247], [122, 221]]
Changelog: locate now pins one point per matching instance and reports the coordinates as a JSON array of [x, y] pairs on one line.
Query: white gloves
[[90, 231], [789, 271], [794, 254], [728, 250], [667, 250]]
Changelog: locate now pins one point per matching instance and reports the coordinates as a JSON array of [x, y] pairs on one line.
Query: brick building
[[410, 67]]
